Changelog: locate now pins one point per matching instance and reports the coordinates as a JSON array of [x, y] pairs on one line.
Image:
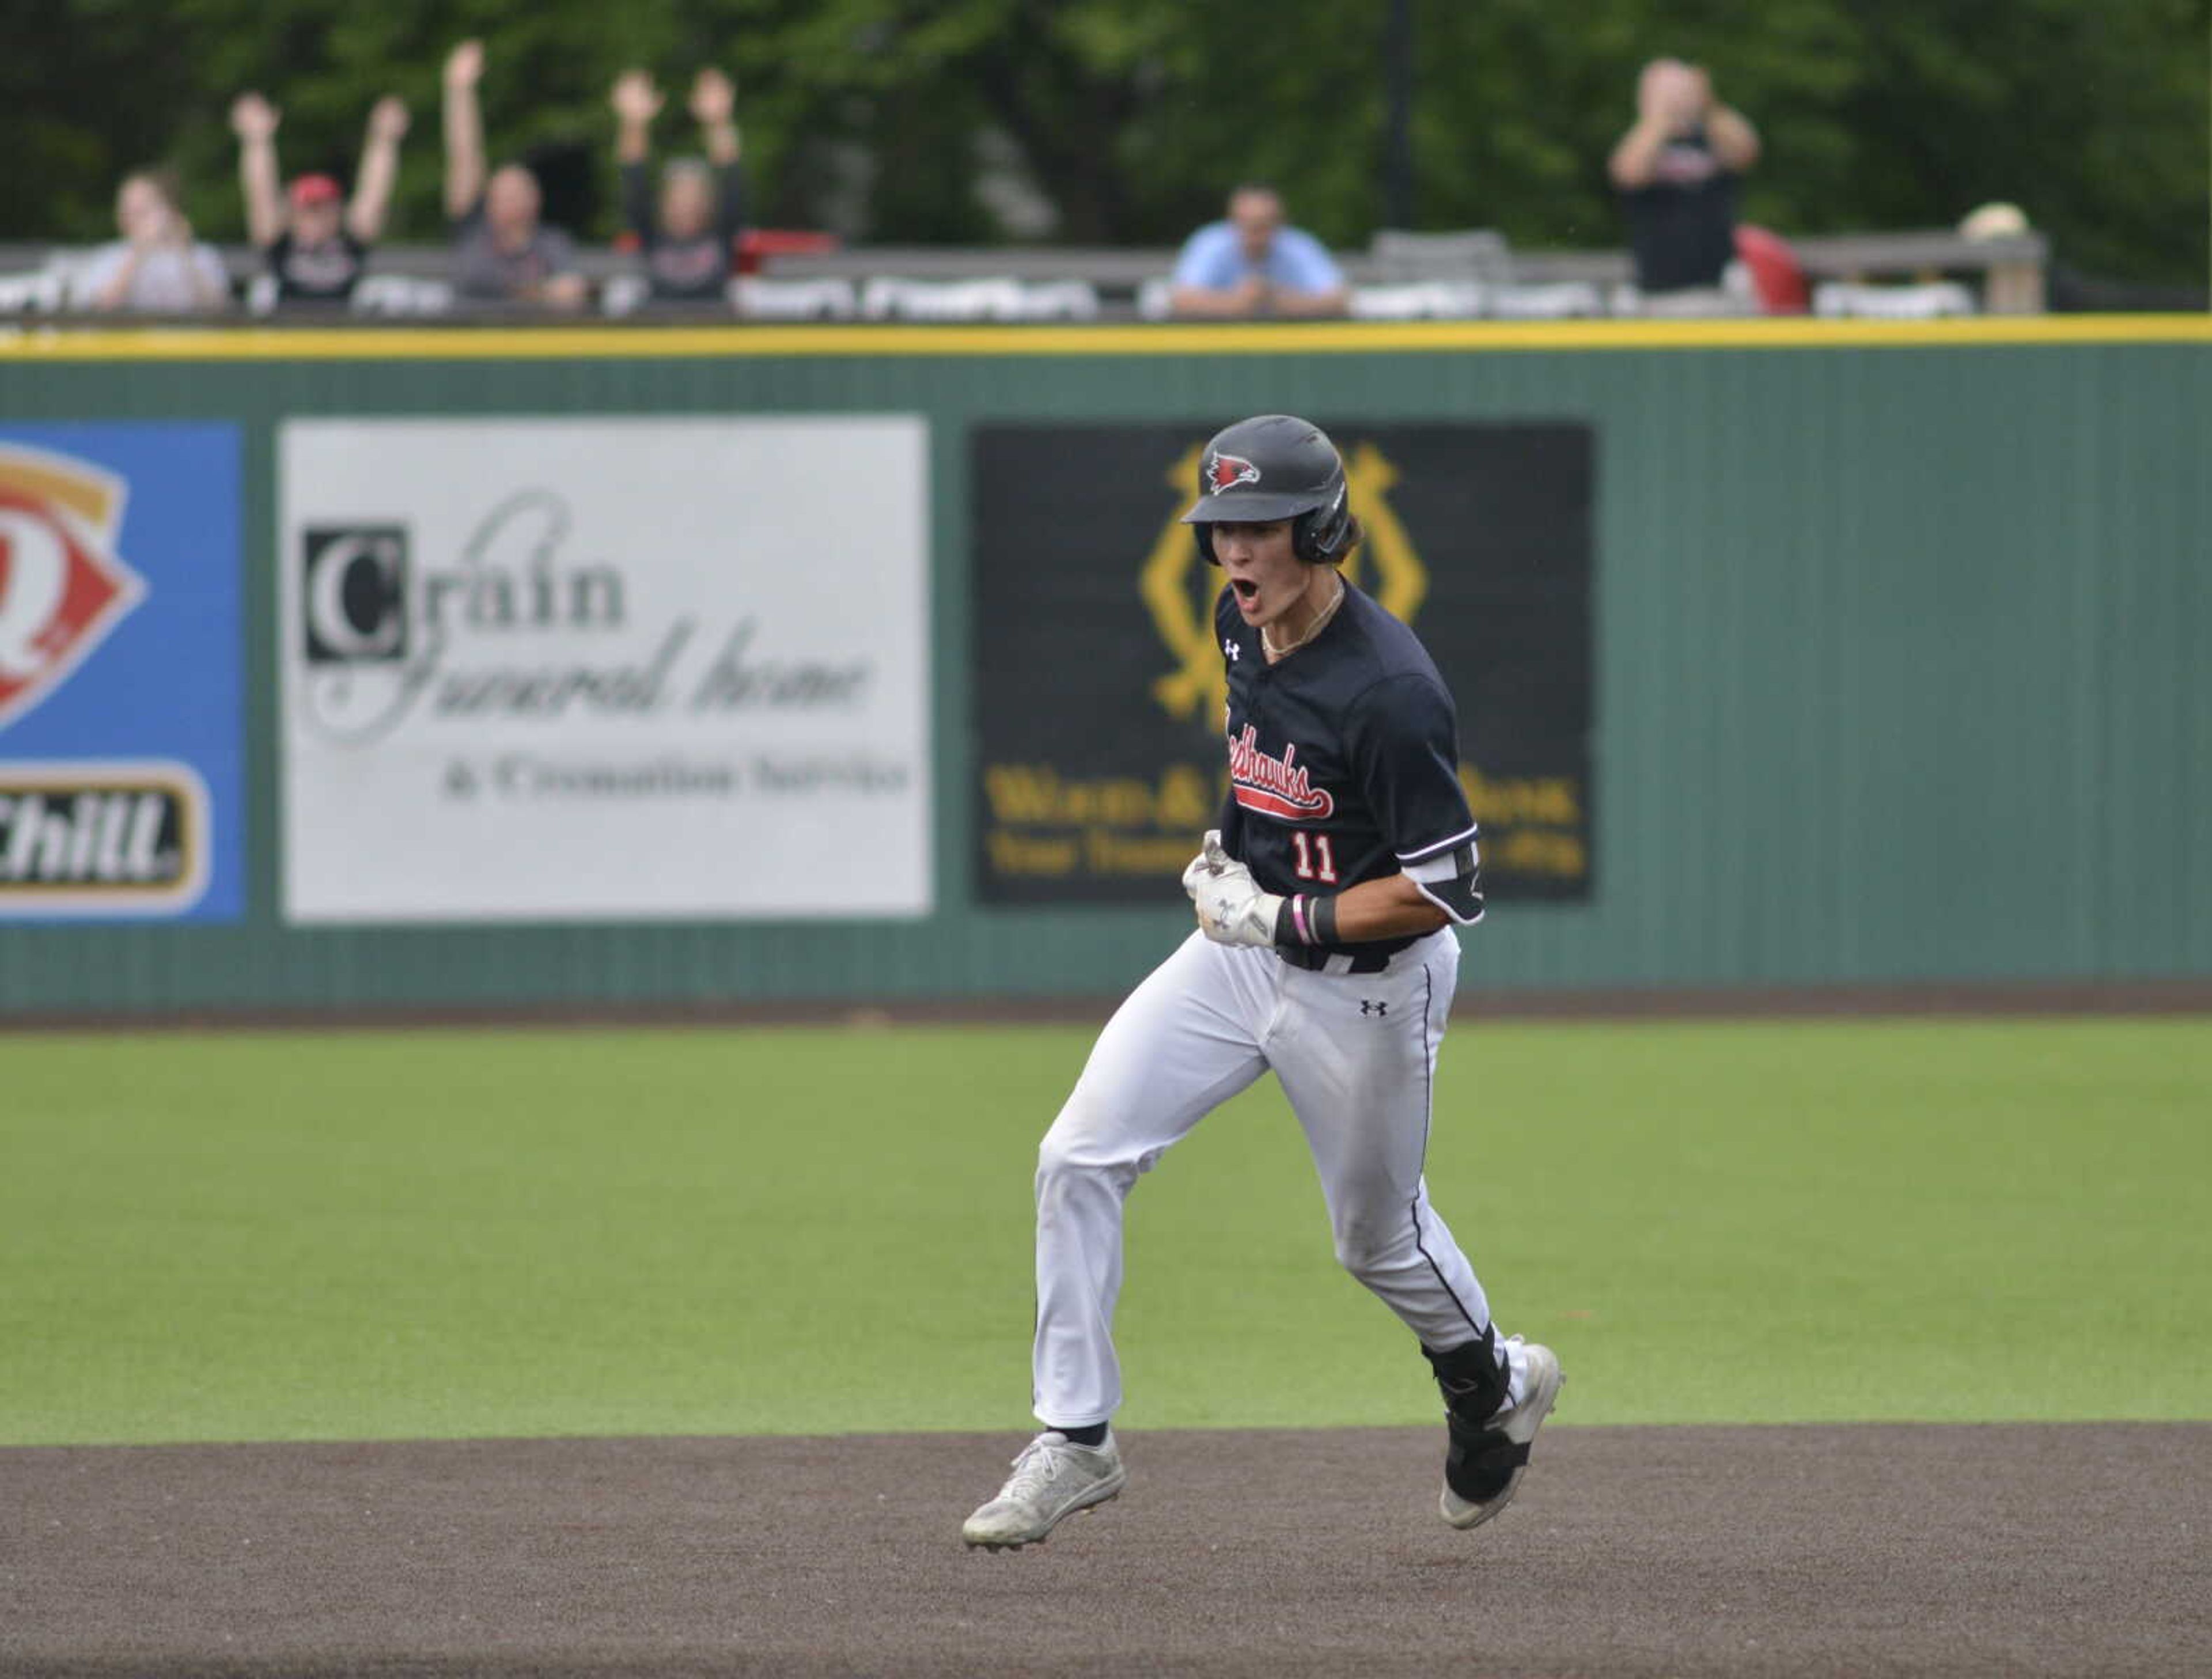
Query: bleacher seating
[[1473, 257]]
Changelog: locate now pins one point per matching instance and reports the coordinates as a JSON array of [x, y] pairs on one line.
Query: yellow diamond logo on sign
[[1182, 616], [63, 587]]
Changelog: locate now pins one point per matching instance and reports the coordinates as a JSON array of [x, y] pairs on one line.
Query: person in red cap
[[317, 244]]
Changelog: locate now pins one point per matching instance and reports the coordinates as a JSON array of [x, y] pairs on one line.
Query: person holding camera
[[157, 267], [1677, 170]]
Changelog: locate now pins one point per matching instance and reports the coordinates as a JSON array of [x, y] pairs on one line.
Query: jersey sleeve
[[1406, 743]]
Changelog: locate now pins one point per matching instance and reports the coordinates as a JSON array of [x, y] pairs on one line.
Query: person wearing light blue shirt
[[1253, 265]]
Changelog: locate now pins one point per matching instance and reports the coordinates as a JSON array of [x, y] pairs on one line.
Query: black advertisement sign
[[1099, 689]]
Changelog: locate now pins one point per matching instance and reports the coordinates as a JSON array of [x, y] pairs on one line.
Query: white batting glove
[[1233, 910], [1210, 862]]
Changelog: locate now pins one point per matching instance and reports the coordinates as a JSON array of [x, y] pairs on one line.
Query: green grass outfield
[[272, 1237]]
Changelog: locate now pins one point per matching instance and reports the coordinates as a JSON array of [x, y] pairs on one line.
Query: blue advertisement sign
[[122, 708]]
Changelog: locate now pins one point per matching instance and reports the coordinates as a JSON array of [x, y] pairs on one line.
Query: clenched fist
[[387, 120], [253, 118], [1232, 908], [465, 65]]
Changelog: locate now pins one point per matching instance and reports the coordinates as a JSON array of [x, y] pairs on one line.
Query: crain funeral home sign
[[605, 669]]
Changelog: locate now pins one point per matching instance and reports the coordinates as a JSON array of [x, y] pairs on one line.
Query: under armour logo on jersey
[[1367, 1006], [1228, 646]]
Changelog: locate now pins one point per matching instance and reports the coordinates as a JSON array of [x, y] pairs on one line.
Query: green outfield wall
[[1895, 642]]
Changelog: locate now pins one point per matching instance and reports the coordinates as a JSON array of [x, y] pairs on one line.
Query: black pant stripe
[[1428, 1117]]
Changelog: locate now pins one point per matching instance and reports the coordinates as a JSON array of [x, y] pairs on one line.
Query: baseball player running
[[1325, 902]]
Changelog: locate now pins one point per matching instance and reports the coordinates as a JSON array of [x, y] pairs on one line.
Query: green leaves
[[1132, 117]]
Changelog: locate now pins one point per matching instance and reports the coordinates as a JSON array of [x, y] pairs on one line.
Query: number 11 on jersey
[[1315, 860]]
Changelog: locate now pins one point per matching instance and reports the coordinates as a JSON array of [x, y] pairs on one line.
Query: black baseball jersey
[[324, 273], [1344, 761], [1681, 226]]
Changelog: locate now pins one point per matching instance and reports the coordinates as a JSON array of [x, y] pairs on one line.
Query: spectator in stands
[[690, 243], [1677, 170], [2023, 288], [1252, 263], [501, 252], [157, 267], [317, 248]]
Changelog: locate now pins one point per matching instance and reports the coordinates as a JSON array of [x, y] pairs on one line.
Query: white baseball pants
[[1355, 1053]]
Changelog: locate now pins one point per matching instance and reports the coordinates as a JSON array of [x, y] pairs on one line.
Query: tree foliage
[[1124, 121]]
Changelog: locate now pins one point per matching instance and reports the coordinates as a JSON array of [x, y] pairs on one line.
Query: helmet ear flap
[[1204, 535], [1316, 536]]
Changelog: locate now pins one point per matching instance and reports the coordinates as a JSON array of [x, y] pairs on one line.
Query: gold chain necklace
[[1320, 618]]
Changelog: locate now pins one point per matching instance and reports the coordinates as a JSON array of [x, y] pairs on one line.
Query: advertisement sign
[[1099, 693], [605, 669], [121, 714]]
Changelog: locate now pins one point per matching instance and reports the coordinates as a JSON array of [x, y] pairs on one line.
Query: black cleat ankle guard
[[1474, 1379], [1480, 1460]]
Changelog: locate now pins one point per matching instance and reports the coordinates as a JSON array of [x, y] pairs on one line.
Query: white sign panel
[[605, 669]]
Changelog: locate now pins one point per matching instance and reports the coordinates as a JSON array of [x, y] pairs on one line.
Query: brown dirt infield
[[1983, 1549]]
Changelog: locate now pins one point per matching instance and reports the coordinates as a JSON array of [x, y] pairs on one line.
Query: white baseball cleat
[[1053, 1478], [1484, 1466]]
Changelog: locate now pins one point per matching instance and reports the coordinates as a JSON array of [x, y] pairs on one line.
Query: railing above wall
[[2002, 276], [1879, 256]]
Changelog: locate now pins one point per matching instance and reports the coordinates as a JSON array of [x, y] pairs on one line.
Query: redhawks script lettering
[[1275, 786]]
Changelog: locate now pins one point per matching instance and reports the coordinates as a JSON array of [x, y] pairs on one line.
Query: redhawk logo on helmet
[[1226, 471]]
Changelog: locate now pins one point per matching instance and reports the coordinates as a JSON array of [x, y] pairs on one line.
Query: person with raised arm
[[502, 252], [689, 239], [316, 242]]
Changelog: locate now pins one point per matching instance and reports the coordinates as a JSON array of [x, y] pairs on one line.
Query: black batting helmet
[[1269, 467]]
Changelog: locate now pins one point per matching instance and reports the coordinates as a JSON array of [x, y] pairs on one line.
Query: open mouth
[[1247, 590]]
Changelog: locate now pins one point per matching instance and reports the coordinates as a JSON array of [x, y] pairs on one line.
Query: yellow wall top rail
[[565, 342]]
